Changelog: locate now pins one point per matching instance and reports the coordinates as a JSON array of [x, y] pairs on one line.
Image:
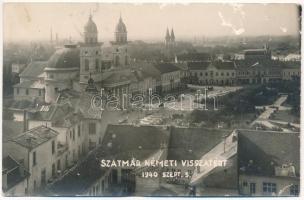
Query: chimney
[[24, 121]]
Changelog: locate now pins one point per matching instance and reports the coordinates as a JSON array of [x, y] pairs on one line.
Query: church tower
[[172, 38], [90, 54], [120, 45], [167, 39]]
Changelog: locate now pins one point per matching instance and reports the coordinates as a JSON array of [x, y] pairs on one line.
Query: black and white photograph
[[151, 99]]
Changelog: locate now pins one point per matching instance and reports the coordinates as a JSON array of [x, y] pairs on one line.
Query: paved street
[[264, 117]]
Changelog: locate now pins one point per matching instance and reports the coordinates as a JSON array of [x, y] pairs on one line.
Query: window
[[92, 128], [201, 74], [216, 73], [294, 190], [245, 184], [222, 74], [206, 74], [97, 65], [17, 90], [27, 92], [78, 130], [53, 147], [252, 188], [34, 158], [97, 52], [228, 74], [86, 65], [58, 164], [53, 170], [73, 134], [269, 187], [35, 186], [39, 91]]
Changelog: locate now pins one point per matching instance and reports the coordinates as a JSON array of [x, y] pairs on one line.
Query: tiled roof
[[194, 57], [35, 137], [34, 69], [198, 65], [21, 105], [30, 84], [124, 142], [192, 143], [260, 151], [262, 64], [224, 65], [166, 67], [220, 65], [52, 112], [117, 77]]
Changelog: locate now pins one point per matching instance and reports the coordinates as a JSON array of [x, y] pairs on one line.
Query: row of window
[[211, 73], [27, 92], [293, 73], [271, 188], [258, 73], [72, 132]]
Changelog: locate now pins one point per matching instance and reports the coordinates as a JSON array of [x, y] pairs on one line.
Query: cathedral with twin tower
[[92, 59], [86, 66]]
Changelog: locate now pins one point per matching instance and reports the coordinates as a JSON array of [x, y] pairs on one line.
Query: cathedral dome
[[90, 26], [121, 27], [67, 57]]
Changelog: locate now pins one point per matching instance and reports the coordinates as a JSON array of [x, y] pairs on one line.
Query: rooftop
[[64, 58], [30, 84], [34, 69], [35, 137], [261, 151], [11, 168], [166, 67]]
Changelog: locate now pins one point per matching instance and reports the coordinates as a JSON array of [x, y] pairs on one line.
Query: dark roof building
[[166, 67], [260, 152], [220, 65], [67, 57], [12, 173], [121, 142]]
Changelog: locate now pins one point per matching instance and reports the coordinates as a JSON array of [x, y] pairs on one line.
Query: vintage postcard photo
[[197, 100]]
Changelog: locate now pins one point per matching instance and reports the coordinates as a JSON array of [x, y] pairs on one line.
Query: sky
[[34, 21]]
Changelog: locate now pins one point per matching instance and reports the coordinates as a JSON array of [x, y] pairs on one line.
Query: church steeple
[[90, 54], [172, 36], [121, 32], [90, 31]]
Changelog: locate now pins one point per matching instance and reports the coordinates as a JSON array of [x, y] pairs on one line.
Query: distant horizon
[[160, 40], [36, 20]]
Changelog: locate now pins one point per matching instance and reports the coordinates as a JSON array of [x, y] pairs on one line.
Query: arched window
[[86, 65]]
